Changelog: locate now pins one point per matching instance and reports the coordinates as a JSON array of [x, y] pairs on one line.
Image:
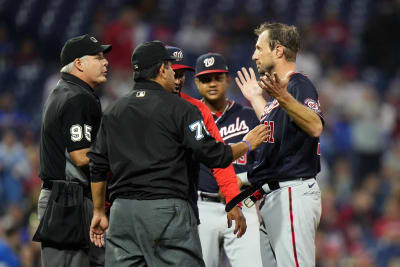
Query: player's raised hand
[[273, 85], [98, 227], [236, 215], [257, 135], [248, 84]]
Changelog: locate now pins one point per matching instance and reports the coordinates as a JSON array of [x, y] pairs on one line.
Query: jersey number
[[77, 133], [270, 127], [241, 161], [198, 127]]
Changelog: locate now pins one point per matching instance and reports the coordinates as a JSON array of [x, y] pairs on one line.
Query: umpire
[[143, 140], [71, 118]]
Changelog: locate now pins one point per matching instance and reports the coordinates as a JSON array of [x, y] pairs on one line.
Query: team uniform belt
[[210, 197], [271, 186], [257, 190]]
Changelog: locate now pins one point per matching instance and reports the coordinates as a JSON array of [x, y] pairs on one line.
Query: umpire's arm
[[99, 167]]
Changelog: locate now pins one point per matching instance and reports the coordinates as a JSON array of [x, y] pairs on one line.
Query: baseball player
[[289, 160], [234, 121], [221, 175]]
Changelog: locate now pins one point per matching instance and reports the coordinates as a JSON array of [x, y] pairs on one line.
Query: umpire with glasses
[[143, 140], [71, 118]]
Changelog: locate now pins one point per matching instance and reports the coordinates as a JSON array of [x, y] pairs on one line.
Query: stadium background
[[350, 50]]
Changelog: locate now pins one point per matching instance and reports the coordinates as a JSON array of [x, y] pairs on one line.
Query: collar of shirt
[[218, 115], [147, 85], [72, 78]]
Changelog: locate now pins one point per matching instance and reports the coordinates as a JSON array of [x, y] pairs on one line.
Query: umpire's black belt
[[48, 185]]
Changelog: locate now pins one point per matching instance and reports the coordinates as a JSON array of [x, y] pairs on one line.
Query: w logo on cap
[[94, 40], [208, 62]]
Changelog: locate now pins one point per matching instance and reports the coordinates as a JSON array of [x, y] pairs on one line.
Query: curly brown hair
[[284, 35]]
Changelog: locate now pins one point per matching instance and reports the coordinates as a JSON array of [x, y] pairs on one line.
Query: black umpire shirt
[[71, 118], [144, 139]]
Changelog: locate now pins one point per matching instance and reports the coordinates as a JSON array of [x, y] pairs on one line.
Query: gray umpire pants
[[55, 257], [153, 233]]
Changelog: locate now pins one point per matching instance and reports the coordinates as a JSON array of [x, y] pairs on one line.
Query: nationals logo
[[234, 129], [208, 62]]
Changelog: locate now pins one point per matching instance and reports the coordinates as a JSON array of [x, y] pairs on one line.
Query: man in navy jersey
[[234, 121], [289, 160]]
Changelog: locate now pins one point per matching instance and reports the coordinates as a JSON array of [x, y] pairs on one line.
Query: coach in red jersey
[[226, 178]]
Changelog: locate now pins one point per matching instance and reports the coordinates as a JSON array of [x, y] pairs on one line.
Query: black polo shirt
[[71, 118], [145, 139]]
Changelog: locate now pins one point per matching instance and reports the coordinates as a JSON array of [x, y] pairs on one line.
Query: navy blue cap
[[80, 46], [148, 54], [177, 53], [210, 63]]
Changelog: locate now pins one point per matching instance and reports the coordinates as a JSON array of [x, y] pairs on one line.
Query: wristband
[[247, 142]]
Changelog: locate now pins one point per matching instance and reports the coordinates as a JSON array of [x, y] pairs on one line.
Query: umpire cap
[[149, 53], [177, 53], [80, 46], [210, 63]]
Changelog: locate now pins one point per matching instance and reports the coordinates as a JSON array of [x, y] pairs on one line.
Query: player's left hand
[[273, 85], [240, 221]]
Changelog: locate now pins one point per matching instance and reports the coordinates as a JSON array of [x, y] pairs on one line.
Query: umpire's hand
[[240, 221], [98, 227]]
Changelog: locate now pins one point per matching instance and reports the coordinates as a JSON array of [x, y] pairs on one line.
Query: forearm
[[258, 103], [306, 119], [99, 196], [79, 157], [239, 149]]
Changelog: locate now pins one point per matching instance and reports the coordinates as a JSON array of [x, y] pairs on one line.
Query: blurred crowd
[[350, 50]]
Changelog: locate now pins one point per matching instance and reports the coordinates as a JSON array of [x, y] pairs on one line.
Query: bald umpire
[[71, 118]]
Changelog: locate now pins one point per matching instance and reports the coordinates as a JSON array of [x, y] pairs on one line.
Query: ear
[[279, 49], [163, 70], [78, 64], [228, 78], [197, 82]]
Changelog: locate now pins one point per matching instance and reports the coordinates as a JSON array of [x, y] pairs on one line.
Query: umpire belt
[[48, 185], [271, 186], [210, 197]]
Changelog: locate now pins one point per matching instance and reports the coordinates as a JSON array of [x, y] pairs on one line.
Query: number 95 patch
[[77, 132]]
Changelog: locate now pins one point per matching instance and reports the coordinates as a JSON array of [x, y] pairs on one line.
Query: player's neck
[[218, 105], [284, 70]]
